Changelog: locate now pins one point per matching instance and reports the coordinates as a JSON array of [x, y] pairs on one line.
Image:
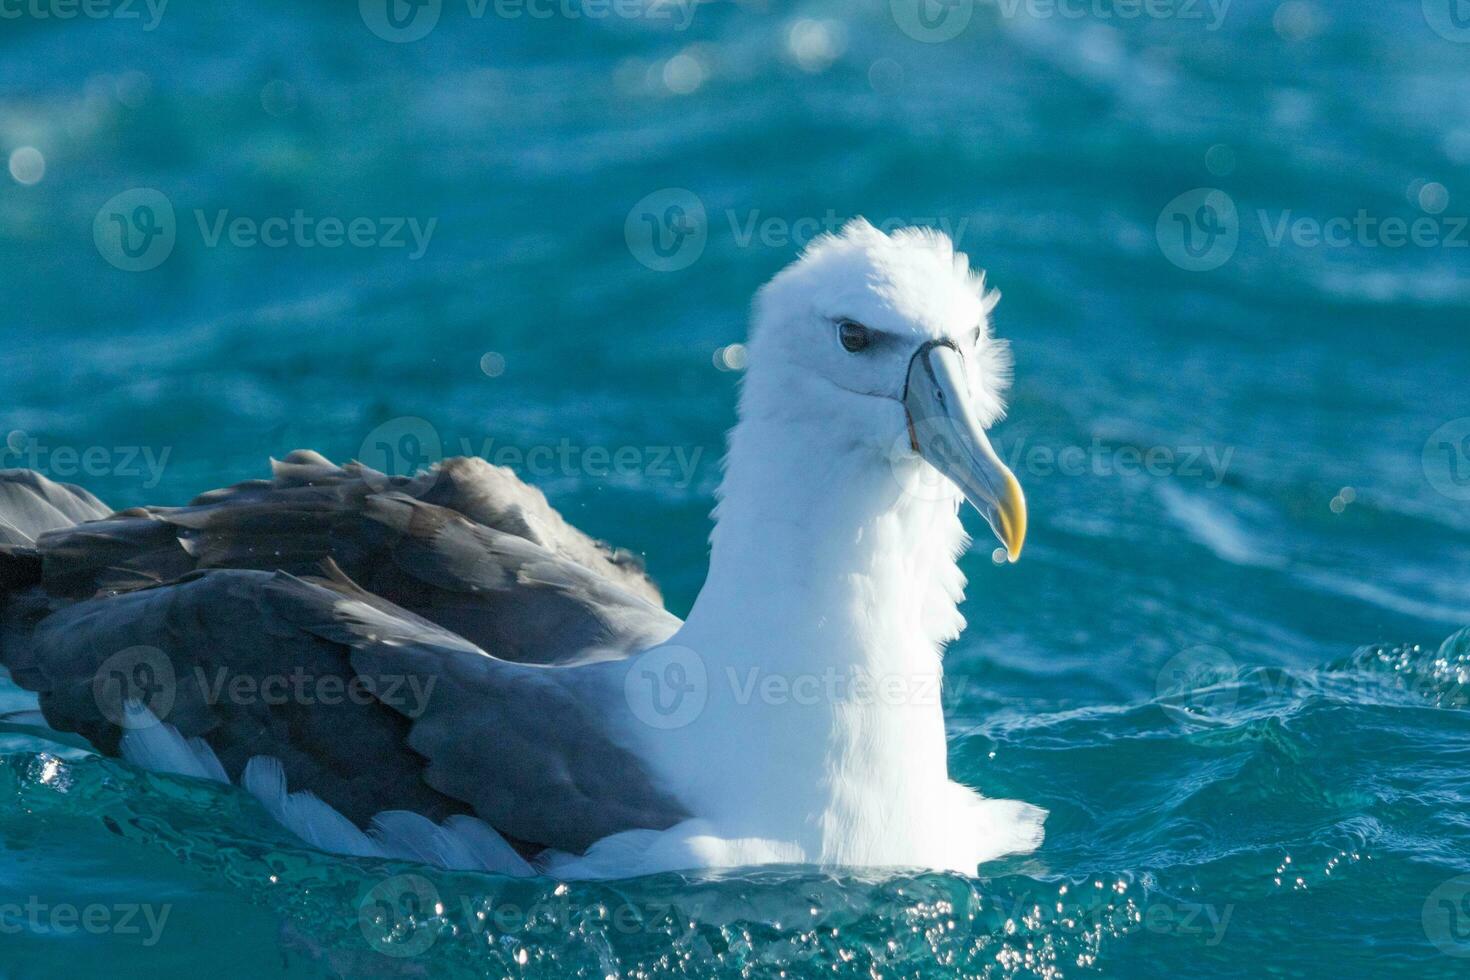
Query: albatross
[[439, 667]]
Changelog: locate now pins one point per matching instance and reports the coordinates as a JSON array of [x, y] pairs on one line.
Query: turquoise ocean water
[[1232, 243]]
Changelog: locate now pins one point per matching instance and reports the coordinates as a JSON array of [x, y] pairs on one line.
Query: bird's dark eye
[[854, 336]]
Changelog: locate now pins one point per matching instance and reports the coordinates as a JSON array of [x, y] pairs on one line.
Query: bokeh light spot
[[27, 165], [731, 357], [493, 364], [1434, 198]]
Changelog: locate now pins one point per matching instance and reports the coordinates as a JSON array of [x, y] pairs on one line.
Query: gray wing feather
[[305, 483], [217, 641], [535, 749], [455, 562], [506, 592]]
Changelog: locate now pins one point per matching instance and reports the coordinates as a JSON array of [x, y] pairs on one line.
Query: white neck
[[819, 547], [829, 594]]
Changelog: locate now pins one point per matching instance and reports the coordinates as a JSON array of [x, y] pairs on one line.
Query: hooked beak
[[944, 431]]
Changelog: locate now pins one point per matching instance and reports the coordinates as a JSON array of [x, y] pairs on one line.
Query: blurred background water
[[1232, 241]]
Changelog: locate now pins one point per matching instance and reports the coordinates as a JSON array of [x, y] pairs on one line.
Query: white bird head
[[883, 341]]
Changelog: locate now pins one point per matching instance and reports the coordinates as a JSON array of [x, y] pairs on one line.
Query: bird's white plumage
[[817, 639], [833, 557]]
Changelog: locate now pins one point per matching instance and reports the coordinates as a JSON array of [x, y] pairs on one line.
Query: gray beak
[[943, 430]]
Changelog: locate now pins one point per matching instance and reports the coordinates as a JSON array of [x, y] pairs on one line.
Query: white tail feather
[[151, 744], [461, 843]]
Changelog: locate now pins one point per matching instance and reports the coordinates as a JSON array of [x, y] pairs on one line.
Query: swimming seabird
[[440, 667]]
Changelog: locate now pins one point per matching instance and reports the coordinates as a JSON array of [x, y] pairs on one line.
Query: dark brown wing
[[450, 726], [466, 545]]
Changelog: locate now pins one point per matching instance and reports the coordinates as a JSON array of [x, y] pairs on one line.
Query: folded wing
[[487, 651]]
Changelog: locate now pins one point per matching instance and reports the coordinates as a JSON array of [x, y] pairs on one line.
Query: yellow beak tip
[[1014, 518]]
